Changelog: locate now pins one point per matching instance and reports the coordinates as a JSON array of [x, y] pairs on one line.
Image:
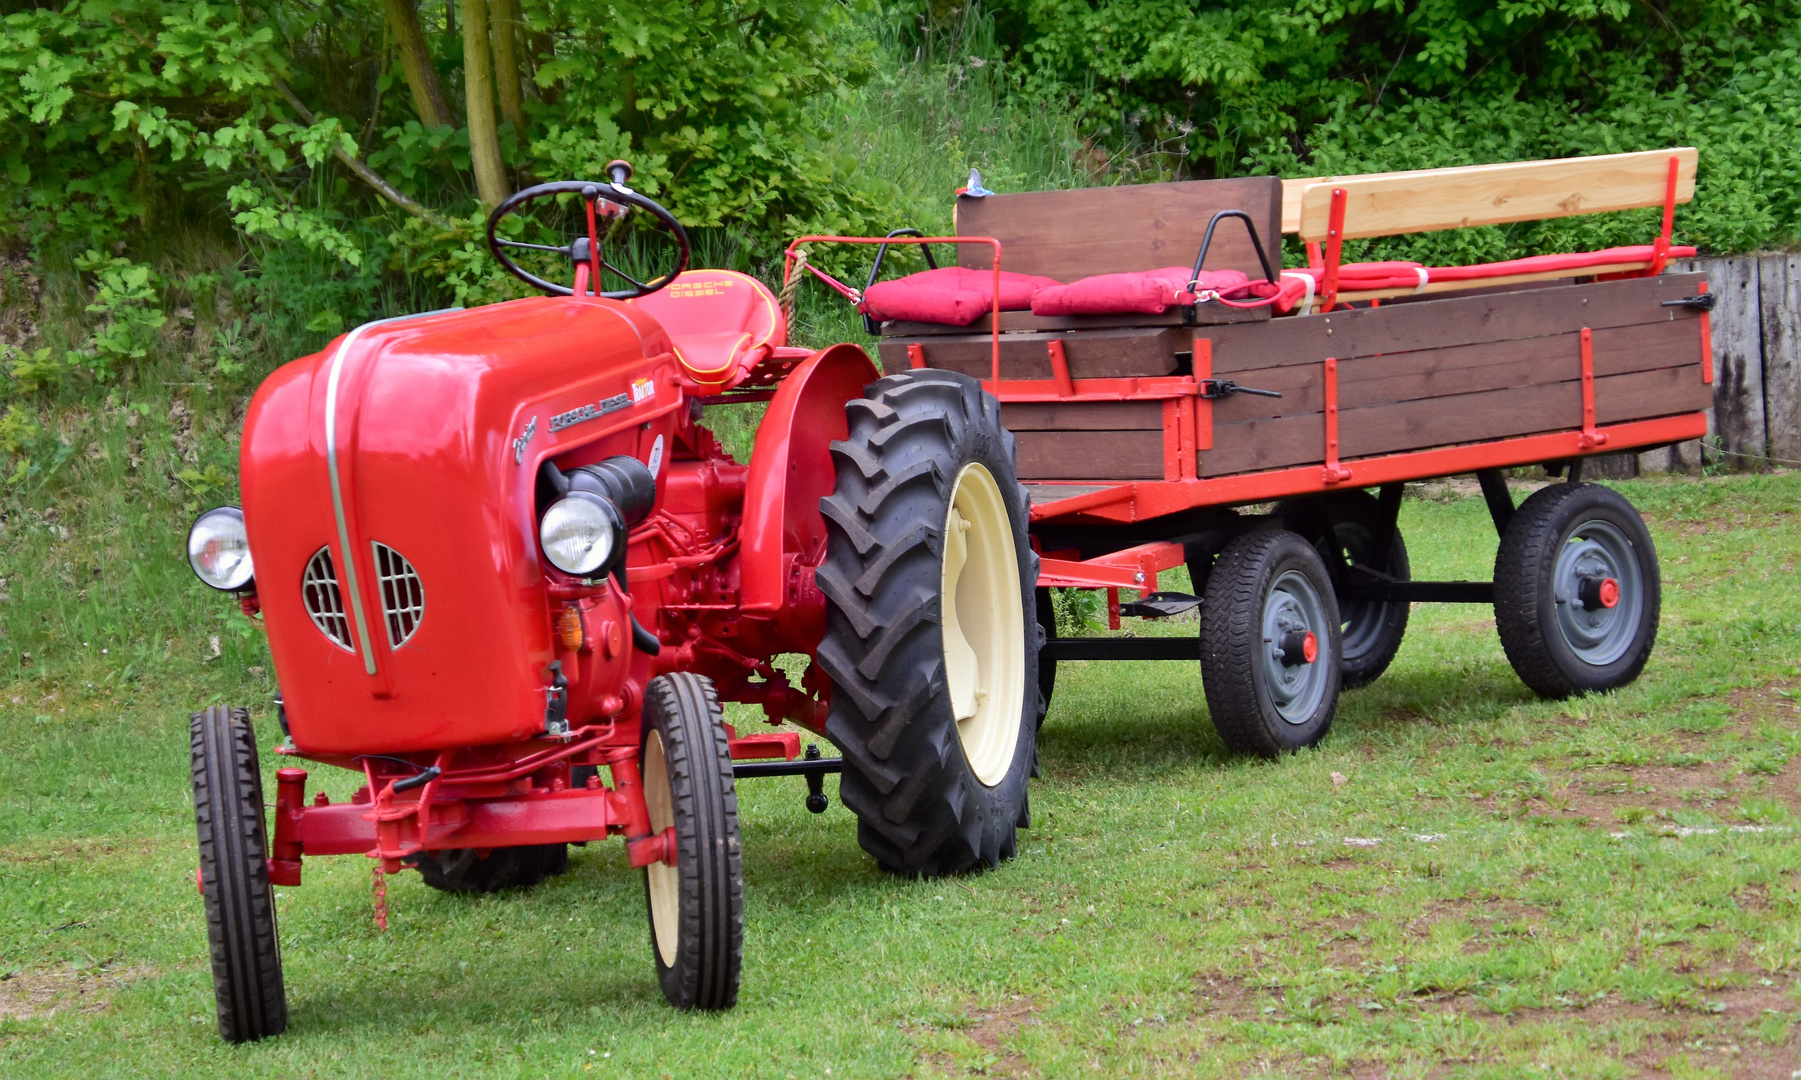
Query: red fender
[[790, 471]]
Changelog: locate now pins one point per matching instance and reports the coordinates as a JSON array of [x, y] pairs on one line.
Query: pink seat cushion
[[1147, 292], [951, 295]]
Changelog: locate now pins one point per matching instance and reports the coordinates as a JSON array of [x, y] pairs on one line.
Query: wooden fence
[[1756, 419]]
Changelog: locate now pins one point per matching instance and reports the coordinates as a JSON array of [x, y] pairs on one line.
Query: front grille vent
[[324, 602], [402, 594]]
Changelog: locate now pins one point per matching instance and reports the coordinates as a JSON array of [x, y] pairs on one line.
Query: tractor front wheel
[[932, 632], [234, 876], [1270, 644], [696, 904]]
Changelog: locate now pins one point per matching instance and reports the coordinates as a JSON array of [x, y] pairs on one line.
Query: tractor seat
[[722, 323]]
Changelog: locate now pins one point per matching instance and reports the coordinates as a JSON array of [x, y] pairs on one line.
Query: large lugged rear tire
[[696, 906], [931, 625], [1270, 644], [234, 876], [1577, 591]]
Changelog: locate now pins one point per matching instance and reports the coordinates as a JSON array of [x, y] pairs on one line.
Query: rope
[[792, 285]]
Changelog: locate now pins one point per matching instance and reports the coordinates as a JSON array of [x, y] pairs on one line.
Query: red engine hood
[[424, 436]]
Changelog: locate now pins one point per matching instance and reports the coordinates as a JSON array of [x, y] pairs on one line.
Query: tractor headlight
[[581, 533], [219, 549]]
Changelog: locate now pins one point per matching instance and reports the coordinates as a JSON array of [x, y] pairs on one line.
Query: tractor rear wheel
[[1270, 644], [1343, 525], [234, 876], [466, 870], [1577, 591], [696, 906], [932, 632]]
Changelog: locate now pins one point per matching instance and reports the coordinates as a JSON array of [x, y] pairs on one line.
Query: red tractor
[[500, 563], [496, 553]]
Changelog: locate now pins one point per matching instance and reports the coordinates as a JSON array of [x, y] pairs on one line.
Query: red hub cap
[[1310, 646], [1609, 593]]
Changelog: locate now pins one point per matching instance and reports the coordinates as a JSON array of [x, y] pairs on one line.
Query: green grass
[[1554, 889]]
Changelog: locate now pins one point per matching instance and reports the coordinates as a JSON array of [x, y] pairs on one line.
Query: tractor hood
[[388, 486]]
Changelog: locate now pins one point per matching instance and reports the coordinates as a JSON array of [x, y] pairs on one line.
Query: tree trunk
[[415, 60], [505, 35], [478, 86]]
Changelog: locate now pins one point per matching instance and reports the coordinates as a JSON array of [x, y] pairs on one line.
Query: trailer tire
[[1047, 668], [696, 907], [466, 870], [931, 611], [1371, 631], [234, 875], [1560, 543], [1267, 694]]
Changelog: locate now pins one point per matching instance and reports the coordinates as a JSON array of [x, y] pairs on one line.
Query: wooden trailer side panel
[[1445, 372]]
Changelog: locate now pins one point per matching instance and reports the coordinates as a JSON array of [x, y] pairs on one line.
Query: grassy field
[[1462, 882]]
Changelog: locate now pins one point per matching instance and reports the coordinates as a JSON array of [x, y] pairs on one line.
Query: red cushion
[[951, 295], [1148, 292]]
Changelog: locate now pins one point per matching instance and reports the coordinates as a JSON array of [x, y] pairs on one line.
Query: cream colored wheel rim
[[984, 631], [664, 879]]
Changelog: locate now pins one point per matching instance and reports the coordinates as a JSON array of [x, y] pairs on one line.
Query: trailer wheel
[[1577, 591], [932, 634], [1270, 644], [1047, 668], [696, 906], [234, 876], [1343, 526], [468, 870]]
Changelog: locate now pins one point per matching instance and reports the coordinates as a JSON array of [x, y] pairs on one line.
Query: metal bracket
[[1214, 389], [1160, 605], [1705, 302]]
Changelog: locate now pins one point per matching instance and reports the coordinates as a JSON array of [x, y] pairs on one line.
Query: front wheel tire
[[1577, 591], [696, 906], [234, 876]]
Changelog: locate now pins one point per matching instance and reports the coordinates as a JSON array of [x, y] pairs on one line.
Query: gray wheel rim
[[1601, 635], [1293, 604]]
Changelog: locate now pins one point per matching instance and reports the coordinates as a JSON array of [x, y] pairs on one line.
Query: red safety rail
[[995, 316]]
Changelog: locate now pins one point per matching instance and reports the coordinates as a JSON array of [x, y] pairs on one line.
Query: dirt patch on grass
[[989, 1030], [34, 995]]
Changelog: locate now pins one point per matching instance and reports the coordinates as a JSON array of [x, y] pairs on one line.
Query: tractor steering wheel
[[602, 200]]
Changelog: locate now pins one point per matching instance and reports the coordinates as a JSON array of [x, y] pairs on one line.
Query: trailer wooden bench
[[1138, 435]]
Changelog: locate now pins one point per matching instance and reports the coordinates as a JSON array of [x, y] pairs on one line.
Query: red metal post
[[1706, 342], [593, 247], [1203, 407], [916, 355], [1589, 437], [1066, 386], [285, 848], [1333, 474], [1660, 250], [1334, 249]]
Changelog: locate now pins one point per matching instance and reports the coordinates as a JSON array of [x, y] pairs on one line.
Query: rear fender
[[790, 471]]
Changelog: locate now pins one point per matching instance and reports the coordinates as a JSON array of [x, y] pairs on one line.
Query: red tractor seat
[[721, 322], [949, 295]]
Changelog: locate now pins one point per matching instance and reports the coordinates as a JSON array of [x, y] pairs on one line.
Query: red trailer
[[501, 563]]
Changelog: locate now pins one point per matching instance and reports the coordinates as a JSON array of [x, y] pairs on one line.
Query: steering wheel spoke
[[613, 203]]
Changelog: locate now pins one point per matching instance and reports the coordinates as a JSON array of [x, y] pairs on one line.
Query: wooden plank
[[1084, 416], [1738, 402], [1437, 324], [1078, 233], [1459, 198], [1464, 369], [1453, 420], [1093, 354], [1090, 455], [1779, 286]]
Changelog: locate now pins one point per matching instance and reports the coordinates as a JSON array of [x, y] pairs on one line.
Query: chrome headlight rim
[[607, 547], [221, 522]]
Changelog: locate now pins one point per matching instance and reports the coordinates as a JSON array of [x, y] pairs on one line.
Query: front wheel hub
[[1599, 592]]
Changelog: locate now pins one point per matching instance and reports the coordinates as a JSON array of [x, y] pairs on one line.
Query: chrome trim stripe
[[348, 572]]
